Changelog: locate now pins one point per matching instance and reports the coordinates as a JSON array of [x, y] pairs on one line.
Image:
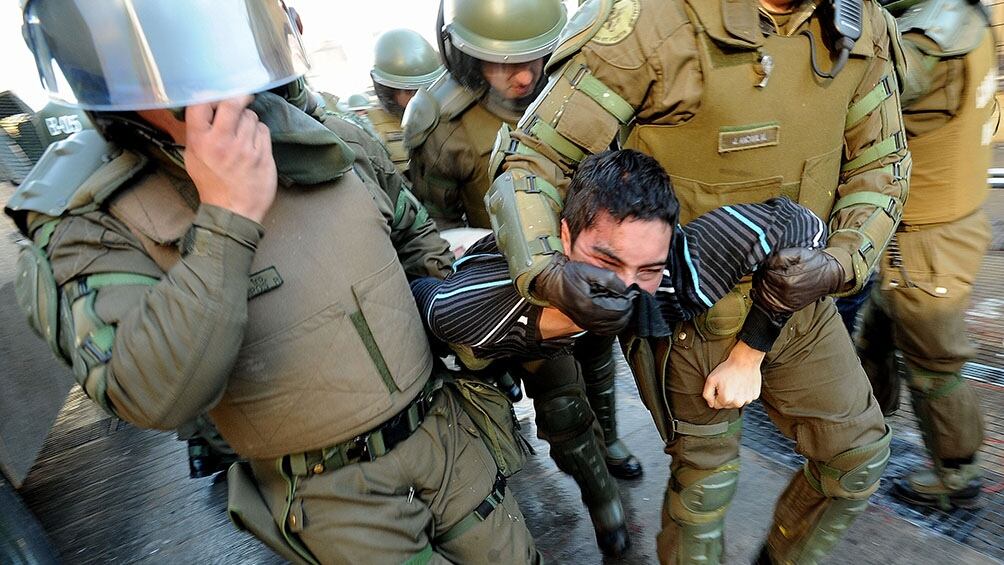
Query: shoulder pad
[[955, 26], [452, 97], [420, 118], [445, 99], [76, 174], [585, 23]]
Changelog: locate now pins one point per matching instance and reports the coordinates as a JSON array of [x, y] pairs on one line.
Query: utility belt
[[726, 317], [370, 445]]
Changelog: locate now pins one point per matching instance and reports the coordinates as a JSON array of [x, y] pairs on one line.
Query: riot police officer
[[739, 101], [925, 283], [495, 54], [251, 261]]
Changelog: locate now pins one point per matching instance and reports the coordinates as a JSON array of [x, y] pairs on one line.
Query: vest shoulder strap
[[446, 99]]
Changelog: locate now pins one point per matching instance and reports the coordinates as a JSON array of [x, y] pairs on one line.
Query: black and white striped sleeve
[[721, 247], [478, 306]]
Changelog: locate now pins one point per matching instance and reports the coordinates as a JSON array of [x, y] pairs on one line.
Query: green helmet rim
[[505, 51], [406, 82]]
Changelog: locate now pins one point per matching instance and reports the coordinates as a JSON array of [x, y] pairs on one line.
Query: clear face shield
[[119, 55]]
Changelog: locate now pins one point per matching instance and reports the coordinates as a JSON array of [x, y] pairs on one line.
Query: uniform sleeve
[[875, 169], [712, 254], [437, 177], [155, 354], [420, 249], [590, 96]]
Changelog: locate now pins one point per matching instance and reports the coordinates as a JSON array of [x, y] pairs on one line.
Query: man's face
[[635, 250], [402, 96], [513, 81]]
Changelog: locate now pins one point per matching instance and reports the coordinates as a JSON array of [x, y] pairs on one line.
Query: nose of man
[[522, 78]]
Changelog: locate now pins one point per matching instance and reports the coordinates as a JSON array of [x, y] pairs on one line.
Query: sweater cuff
[[762, 328]]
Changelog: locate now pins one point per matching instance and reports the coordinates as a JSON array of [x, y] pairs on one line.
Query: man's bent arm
[[168, 348]]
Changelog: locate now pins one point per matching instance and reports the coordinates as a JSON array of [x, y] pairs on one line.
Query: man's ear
[[566, 237]]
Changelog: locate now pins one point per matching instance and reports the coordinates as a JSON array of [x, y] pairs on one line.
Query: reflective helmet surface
[[404, 59], [504, 31], [358, 102], [142, 54]]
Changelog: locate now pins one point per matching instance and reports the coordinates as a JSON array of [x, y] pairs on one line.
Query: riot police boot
[[610, 527], [598, 372], [204, 461], [567, 423], [942, 488]]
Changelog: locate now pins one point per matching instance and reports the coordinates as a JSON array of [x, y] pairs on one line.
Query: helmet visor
[[143, 54]]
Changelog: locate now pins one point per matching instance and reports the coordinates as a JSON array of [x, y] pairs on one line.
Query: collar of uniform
[[729, 22], [797, 17]]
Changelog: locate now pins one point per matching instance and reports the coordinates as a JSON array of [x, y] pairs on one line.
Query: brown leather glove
[[594, 298], [791, 279]]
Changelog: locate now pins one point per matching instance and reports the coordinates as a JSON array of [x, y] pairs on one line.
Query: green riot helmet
[[146, 54], [403, 60], [499, 31], [358, 102]]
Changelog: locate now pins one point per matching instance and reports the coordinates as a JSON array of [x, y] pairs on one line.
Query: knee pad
[[700, 496], [932, 384], [563, 418], [853, 474]]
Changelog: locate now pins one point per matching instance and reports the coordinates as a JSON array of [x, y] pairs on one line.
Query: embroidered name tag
[[748, 137], [264, 281]]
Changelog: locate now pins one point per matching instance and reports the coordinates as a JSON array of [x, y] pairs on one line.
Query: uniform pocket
[[396, 339], [698, 197], [818, 188]]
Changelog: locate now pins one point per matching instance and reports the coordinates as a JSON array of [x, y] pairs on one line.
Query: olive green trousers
[[393, 509], [816, 393], [919, 309]]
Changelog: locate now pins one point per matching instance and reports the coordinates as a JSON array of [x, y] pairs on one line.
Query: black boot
[[204, 461]]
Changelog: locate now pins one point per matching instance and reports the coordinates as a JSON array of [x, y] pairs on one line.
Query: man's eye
[[649, 275]]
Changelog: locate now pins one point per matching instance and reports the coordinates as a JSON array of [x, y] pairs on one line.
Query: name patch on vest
[[264, 281], [737, 138]]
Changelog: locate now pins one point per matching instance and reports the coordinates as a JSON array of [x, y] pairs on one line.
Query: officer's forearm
[[174, 351], [874, 177]]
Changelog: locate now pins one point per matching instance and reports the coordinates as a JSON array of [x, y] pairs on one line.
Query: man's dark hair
[[625, 184]]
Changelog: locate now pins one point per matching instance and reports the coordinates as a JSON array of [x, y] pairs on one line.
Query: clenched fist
[[228, 154], [793, 278]]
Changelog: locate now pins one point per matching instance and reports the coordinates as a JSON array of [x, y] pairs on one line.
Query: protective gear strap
[[887, 146], [583, 80], [706, 430], [869, 102], [879, 200], [478, 515], [547, 134]]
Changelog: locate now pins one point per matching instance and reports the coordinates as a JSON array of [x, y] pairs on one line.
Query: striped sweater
[[477, 305]]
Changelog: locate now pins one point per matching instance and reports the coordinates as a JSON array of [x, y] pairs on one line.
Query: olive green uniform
[[449, 145], [735, 115], [926, 280], [297, 335], [448, 167]]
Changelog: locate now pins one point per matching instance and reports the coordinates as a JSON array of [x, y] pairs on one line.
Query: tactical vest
[[388, 126], [949, 179], [766, 125], [334, 345], [480, 126]]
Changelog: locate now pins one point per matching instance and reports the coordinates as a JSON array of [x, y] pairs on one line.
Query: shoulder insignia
[[583, 26], [955, 26], [76, 174], [619, 23]]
